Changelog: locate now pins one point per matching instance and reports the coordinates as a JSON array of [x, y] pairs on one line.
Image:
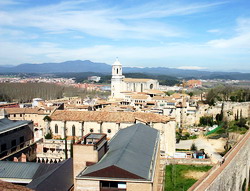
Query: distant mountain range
[[88, 66]]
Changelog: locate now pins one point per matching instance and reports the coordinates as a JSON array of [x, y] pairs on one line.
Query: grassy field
[[176, 179]]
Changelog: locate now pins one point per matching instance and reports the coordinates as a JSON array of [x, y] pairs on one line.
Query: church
[[121, 85]]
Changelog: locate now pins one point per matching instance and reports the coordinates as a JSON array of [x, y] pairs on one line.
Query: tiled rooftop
[[103, 116]]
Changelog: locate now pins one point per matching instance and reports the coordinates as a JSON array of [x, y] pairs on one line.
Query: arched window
[[151, 86], [56, 128], [73, 130], [117, 71]]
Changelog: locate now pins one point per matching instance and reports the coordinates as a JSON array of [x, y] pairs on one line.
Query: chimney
[[3, 114]]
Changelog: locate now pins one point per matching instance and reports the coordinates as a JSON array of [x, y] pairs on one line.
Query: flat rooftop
[[7, 125], [92, 139]]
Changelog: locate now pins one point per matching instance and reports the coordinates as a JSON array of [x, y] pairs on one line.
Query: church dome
[[117, 62]]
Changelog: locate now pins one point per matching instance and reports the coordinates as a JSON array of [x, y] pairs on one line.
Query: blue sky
[[202, 34]]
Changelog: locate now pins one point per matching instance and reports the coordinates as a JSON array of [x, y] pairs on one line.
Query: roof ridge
[[126, 145]]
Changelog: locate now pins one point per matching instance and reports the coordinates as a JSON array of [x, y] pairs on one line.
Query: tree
[[193, 147], [190, 94], [242, 122], [47, 118], [207, 120], [210, 98]]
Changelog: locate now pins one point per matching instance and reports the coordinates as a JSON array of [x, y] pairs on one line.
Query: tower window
[[117, 71], [56, 128], [73, 130]]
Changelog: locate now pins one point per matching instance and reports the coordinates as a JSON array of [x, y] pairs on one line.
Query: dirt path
[[194, 174]]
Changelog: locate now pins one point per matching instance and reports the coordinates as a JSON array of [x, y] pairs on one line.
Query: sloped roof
[[42, 176], [20, 170], [139, 96], [132, 152], [154, 91], [53, 177], [24, 110], [162, 98], [105, 116], [6, 124]]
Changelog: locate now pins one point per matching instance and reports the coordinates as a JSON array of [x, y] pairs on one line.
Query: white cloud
[[8, 2], [113, 23], [240, 40], [165, 9], [214, 31]]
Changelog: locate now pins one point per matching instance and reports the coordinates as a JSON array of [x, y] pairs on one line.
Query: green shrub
[[48, 136]]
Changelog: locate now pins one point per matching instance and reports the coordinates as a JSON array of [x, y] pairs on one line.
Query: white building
[[94, 78], [121, 85]]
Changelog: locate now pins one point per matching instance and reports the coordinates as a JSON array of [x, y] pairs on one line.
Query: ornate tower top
[[117, 62], [117, 69]]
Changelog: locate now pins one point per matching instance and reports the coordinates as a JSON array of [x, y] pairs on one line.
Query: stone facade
[[64, 126], [120, 84]]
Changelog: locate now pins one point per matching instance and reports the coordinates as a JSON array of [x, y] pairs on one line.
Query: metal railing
[[15, 149]]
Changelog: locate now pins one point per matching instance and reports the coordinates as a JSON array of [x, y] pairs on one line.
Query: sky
[[209, 35]]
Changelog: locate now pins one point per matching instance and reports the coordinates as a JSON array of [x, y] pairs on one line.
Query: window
[[14, 115], [151, 86], [3, 147], [56, 128], [91, 130], [73, 130], [21, 115], [109, 130], [21, 139], [112, 185], [13, 143]]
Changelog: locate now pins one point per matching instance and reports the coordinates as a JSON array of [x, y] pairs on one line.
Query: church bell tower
[[116, 81]]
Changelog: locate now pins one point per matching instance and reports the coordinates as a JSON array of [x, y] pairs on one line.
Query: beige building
[[130, 163], [53, 150], [121, 85], [79, 123]]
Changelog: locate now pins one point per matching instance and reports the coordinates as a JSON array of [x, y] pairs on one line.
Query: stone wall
[[231, 174], [186, 161]]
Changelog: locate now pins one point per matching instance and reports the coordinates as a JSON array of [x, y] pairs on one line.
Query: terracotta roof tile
[[154, 91], [105, 116], [22, 110], [138, 96]]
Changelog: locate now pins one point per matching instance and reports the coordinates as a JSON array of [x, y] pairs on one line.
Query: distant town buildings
[[94, 78]]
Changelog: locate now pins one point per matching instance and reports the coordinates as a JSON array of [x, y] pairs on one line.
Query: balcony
[[15, 149]]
